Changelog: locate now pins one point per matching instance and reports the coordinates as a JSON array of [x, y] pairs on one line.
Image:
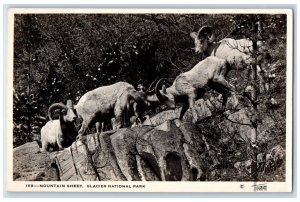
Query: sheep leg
[[184, 108], [84, 126], [81, 132], [226, 89], [119, 114], [222, 81], [216, 87], [60, 147], [118, 122], [223, 92], [45, 146], [192, 99], [109, 125], [126, 119], [98, 127], [104, 126], [138, 114]]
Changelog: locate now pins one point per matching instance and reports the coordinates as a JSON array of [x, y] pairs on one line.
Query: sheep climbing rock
[[192, 85], [59, 133], [235, 52]]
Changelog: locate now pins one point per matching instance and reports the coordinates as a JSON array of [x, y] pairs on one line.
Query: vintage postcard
[[149, 100]]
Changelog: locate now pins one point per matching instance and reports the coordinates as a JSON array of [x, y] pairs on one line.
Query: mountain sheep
[[235, 52], [107, 102], [190, 86], [59, 133]]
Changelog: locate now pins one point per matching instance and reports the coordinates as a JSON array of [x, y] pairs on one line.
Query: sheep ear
[[164, 90], [193, 35]]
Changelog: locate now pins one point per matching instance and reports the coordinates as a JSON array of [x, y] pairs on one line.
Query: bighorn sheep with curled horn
[[59, 133], [235, 52], [190, 86], [107, 102]]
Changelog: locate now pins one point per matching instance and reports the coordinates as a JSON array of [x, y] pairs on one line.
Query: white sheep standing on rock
[[59, 133], [107, 102]]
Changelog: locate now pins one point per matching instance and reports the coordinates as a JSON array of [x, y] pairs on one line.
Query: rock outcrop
[[169, 152], [32, 165], [164, 149]]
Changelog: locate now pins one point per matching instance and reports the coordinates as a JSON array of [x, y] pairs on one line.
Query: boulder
[[104, 159], [162, 117], [31, 165], [75, 163], [170, 158], [124, 146]]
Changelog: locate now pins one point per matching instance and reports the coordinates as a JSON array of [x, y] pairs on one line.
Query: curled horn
[[55, 106], [151, 88], [168, 83], [208, 32], [158, 87]]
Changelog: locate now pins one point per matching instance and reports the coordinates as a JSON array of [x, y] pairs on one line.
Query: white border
[[156, 186]]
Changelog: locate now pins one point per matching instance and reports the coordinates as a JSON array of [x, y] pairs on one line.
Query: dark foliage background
[[62, 56]]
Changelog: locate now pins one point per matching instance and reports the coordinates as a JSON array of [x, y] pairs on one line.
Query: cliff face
[[169, 152]]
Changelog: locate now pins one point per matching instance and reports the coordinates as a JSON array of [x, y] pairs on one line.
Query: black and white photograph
[[159, 100]]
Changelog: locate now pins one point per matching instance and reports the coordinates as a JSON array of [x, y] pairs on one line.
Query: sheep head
[[202, 38], [163, 94], [67, 111]]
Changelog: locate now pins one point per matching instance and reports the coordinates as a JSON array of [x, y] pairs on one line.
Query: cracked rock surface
[[163, 153]]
